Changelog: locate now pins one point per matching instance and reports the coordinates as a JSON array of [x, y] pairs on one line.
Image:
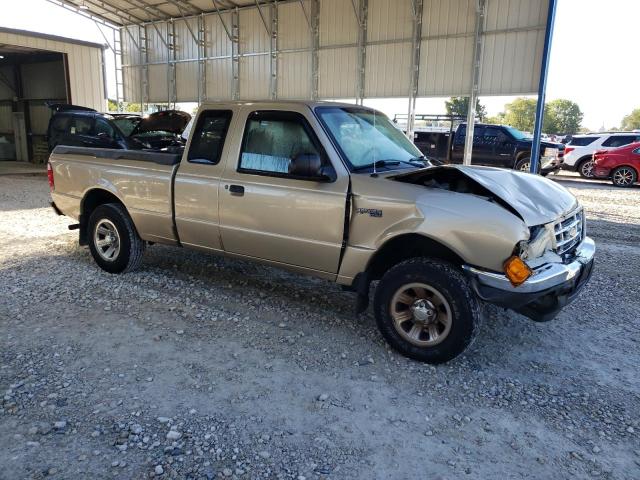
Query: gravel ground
[[202, 367]]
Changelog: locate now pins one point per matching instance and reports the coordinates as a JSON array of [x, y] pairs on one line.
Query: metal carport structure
[[169, 51]]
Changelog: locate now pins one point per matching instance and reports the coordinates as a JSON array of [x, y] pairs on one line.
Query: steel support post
[[235, 53], [144, 67], [273, 51], [202, 64], [361, 16], [481, 8], [542, 88], [414, 73], [315, 47], [171, 59]]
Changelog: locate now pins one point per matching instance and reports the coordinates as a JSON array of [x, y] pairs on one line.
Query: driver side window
[[273, 139]]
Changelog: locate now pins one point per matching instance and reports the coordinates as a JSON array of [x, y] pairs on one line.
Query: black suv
[[73, 125], [507, 147]]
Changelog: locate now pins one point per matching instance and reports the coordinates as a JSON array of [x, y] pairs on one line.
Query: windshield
[[126, 125], [517, 134], [365, 137]]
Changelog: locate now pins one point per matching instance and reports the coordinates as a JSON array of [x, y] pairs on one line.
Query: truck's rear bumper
[[545, 293]]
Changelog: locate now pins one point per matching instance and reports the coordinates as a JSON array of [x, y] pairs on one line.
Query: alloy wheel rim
[[587, 168], [525, 167], [106, 240], [623, 176], [421, 314]]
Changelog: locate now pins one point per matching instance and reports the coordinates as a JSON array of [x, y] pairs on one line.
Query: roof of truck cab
[[266, 103]]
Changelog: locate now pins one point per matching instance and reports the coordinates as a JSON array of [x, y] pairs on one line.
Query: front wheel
[[113, 240], [426, 310], [624, 176]]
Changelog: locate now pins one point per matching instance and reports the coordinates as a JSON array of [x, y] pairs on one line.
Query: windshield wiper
[[376, 164]]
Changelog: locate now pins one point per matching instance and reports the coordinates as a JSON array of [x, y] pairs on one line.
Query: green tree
[[521, 113], [460, 106], [631, 121], [496, 119], [562, 116]]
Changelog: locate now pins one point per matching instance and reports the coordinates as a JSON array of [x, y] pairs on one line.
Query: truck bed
[[141, 180]]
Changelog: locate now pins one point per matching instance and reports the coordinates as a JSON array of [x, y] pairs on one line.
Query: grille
[[569, 232]]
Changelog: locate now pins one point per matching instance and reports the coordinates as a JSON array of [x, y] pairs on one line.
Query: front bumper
[[551, 287]]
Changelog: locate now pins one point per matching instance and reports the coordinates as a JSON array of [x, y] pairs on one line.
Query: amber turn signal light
[[516, 270]]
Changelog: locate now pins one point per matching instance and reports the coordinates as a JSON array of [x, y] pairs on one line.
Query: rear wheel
[[426, 310], [524, 165], [624, 176], [585, 169], [113, 240]]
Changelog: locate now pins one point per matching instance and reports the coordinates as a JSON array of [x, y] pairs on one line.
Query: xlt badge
[[373, 212]]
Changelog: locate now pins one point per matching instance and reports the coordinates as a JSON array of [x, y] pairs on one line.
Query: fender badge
[[373, 212]]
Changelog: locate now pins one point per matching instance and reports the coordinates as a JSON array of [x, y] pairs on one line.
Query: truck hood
[[533, 198], [172, 121]]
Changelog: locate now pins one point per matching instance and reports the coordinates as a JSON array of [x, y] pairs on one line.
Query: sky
[[592, 56]]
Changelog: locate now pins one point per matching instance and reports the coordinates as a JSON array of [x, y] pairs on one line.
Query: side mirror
[[309, 165]]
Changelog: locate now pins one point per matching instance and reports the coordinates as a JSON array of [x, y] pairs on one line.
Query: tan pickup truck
[[337, 192]]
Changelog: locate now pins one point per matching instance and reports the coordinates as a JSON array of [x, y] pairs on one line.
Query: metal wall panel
[[293, 29], [86, 80], [6, 119], [156, 38], [338, 24], [337, 73], [253, 35], [510, 63], [186, 46], [389, 20], [187, 78], [254, 77], [159, 85], [219, 79], [294, 81], [387, 70], [445, 67], [217, 42]]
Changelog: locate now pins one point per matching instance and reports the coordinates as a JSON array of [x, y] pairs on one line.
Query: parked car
[[493, 145], [73, 125], [621, 165], [337, 192], [578, 154]]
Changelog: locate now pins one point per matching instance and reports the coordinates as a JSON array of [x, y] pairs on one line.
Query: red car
[[621, 165]]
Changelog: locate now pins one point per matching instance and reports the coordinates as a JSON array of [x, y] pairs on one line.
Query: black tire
[[585, 167], [522, 162], [452, 285], [624, 176], [130, 246]]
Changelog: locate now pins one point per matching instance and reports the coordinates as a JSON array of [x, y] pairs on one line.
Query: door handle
[[237, 190]]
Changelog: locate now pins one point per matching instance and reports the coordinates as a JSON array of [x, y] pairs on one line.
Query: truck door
[[198, 179], [268, 214], [505, 147]]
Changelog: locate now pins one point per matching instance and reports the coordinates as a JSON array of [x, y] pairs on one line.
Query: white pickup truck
[[337, 192]]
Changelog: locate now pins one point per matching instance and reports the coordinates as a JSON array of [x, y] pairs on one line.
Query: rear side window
[[208, 136], [60, 123], [273, 139], [582, 141], [619, 140], [80, 126]]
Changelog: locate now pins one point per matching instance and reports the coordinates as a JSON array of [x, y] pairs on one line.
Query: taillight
[[568, 149], [50, 177]]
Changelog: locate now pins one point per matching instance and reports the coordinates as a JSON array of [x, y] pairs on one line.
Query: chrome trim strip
[[545, 277]]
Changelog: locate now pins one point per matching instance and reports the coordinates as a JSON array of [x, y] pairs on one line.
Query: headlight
[[551, 152], [540, 241]]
